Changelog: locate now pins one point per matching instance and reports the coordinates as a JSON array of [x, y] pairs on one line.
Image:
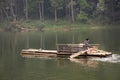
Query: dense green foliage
[[101, 11]]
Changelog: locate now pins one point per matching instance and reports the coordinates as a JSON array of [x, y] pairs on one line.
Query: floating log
[[78, 54], [98, 53]]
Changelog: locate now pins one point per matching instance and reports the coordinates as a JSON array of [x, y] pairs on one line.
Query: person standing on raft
[[88, 47], [86, 43]]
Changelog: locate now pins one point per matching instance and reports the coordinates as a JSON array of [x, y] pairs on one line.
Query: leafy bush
[[82, 16]]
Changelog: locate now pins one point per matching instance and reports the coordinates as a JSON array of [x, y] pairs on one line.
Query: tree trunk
[[68, 9], [13, 14], [16, 9], [43, 10], [55, 15], [40, 13], [112, 10], [1, 14], [12, 10], [72, 11], [6, 14], [69, 12], [26, 9]]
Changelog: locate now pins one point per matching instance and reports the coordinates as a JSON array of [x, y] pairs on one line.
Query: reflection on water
[[38, 56], [83, 62], [91, 62], [86, 63]]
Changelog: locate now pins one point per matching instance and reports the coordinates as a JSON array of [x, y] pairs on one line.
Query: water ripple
[[115, 58]]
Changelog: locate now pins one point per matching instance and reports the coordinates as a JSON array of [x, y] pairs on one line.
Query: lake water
[[13, 66]]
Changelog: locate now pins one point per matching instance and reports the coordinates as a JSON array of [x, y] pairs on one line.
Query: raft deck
[[69, 50], [39, 52]]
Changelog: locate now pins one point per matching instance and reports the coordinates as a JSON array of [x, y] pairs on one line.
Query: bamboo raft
[[68, 50]]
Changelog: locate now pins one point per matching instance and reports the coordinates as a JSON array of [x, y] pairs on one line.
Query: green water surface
[[13, 66]]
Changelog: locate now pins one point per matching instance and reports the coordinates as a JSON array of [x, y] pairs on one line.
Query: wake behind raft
[[68, 50]]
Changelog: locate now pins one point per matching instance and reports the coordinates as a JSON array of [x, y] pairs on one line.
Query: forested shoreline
[[82, 11]]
